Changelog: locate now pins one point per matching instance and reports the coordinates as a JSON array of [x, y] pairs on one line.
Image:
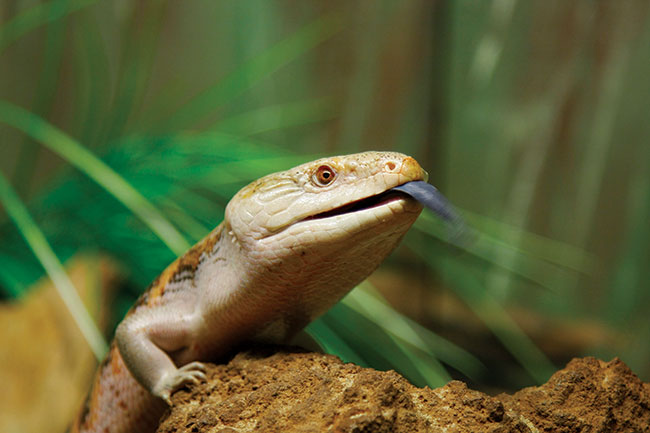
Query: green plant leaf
[[96, 169], [36, 16], [41, 248]]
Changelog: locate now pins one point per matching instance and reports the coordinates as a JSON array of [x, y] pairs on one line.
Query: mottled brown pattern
[[85, 418], [115, 391], [115, 364], [188, 262]]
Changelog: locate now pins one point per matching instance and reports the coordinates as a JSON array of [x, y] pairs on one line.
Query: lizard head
[[334, 196]]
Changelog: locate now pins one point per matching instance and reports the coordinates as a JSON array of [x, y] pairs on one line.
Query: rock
[[588, 395], [290, 391]]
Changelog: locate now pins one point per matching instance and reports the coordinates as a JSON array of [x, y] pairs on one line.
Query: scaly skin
[[285, 253]]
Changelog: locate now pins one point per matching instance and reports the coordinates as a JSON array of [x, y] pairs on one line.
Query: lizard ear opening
[[324, 175]]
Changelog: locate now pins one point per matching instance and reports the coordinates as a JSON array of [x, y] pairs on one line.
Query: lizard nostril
[[390, 165]]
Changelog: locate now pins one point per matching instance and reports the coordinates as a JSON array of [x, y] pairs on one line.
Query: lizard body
[[291, 245]]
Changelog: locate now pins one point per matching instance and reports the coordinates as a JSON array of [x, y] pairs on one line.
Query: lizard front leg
[[147, 337]]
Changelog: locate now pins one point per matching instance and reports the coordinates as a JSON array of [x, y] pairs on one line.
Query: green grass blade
[[332, 343], [550, 264], [253, 71], [543, 248], [472, 290], [96, 169], [381, 350], [396, 328], [35, 17], [41, 248], [366, 301], [496, 318], [628, 276], [276, 117]]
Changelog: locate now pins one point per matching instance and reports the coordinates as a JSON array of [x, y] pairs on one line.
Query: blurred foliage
[[127, 126]]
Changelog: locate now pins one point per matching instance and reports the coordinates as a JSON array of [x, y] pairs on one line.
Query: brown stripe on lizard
[[185, 265]]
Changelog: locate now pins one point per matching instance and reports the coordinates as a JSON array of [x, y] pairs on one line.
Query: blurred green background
[[125, 127]]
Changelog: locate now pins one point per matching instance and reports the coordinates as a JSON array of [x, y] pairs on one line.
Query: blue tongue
[[430, 197]]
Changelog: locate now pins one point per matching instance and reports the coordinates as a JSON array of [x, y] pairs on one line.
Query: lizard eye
[[324, 175]]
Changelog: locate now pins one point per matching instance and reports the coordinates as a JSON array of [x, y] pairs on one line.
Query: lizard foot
[[194, 372]]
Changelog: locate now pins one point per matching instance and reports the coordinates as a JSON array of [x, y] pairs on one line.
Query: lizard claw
[[194, 372]]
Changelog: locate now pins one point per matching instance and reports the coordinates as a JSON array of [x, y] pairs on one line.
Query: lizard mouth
[[362, 204]]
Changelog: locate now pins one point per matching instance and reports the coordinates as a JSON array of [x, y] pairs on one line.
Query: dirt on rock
[[290, 391]]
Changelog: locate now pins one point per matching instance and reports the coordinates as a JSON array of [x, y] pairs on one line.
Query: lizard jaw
[[386, 209], [362, 204]]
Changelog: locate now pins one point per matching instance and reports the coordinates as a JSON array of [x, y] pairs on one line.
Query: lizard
[[290, 246]]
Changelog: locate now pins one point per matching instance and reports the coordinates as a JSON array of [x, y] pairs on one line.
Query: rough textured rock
[[289, 391], [588, 395]]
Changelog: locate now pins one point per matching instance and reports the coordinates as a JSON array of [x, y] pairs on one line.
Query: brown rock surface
[[290, 391], [588, 395]]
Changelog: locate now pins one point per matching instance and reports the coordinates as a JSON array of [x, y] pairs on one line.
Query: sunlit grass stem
[[96, 169], [41, 248]]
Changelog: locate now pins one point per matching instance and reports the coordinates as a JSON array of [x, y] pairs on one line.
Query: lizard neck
[[225, 269], [283, 286]]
